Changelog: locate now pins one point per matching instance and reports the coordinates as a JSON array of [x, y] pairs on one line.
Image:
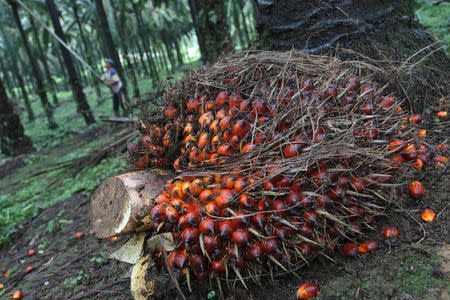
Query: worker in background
[[112, 80]]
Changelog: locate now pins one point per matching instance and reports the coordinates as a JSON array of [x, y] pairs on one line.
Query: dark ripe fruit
[[337, 193], [226, 228], [307, 85], [172, 215], [367, 91], [368, 247], [198, 263], [292, 150], [225, 149], [217, 266], [182, 223], [235, 100], [353, 84], [268, 186], [195, 248], [245, 105], [280, 207], [241, 128], [310, 217], [350, 250], [390, 233], [263, 120], [343, 181], [259, 220], [305, 249], [248, 147], [357, 184], [260, 107], [193, 218], [240, 237], [224, 198], [209, 226], [307, 290], [211, 243], [170, 112], [416, 189], [264, 204], [240, 184], [284, 181], [190, 235], [181, 259], [157, 213], [320, 176], [307, 201], [270, 245], [246, 202], [243, 219], [293, 198], [192, 105], [206, 196], [212, 209], [233, 111], [260, 138], [387, 102], [132, 148], [323, 201], [367, 109], [331, 92], [222, 98], [253, 252], [281, 232], [349, 99]]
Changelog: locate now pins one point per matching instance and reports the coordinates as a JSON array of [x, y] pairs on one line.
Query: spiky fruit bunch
[[291, 165]]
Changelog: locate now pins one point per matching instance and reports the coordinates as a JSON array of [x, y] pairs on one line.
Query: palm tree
[[35, 69], [12, 137], [77, 89]]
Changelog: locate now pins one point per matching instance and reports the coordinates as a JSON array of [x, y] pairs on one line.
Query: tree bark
[[382, 30], [75, 82], [12, 136], [210, 24], [36, 72], [122, 204]]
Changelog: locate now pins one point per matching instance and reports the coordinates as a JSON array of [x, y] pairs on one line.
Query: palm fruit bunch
[[279, 160]]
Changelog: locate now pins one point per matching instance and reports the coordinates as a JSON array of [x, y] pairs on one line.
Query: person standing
[[112, 80]]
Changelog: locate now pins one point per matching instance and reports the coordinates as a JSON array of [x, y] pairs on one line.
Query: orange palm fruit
[[307, 290], [428, 215]]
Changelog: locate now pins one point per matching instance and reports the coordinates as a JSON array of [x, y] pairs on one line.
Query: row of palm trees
[[144, 37]]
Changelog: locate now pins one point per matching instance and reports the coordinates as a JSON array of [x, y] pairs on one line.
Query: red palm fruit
[[225, 149], [206, 119], [284, 181], [331, 92], [17, 294], [222, 113], [176, 192], [233, 111], [226, 228], [170, 112], [235, 140], [323, 201], [227, 182], [260, 138], [195, 155], [224, 198], [254, 252], [215, 142], [240, 184], [259, 220], [162, 199], [240, 237], [320, 176], [390, 233], [157, 213], [264, 204], [368, 247], [416, 189], [228, 135], [337, 193], [397, 145], [246, 202], [268, 185], [211, 243], [298, 186], [235, 100], [310, 217], [307, 85], [181, 259], [196, 187], [202, 275], [198, 263], [248, 147], [280, 207], [192, 105], [132, 148], [305, 249], [185, 188], [172, 215], [182, 223], [270, 245], [142, 162], [190, 235], [263, 120], [193, 218], [353, 84], [176, 164], [350, 250], [367, 108], [415, 119], [306, 230], [357, 184], [292, 150], [349, 99], [212, 209], [217, 266], [209, 226], [245, 105], [222, 97], [206, 196], [260, 107], [204, 140], [241, 128], [387, 102], [281, 233], [367, 91], [293, 198], [212, 105]]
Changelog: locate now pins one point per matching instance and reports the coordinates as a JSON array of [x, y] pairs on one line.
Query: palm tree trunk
[[141, 57], [30, 112], [44, 61], [237, 24], [178, 51], [244, 21], [109, 43], [8, 83], [12, 136], [77, 88], [36, 72]]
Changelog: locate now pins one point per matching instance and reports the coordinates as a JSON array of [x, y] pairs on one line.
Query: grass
[[22, 197]]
